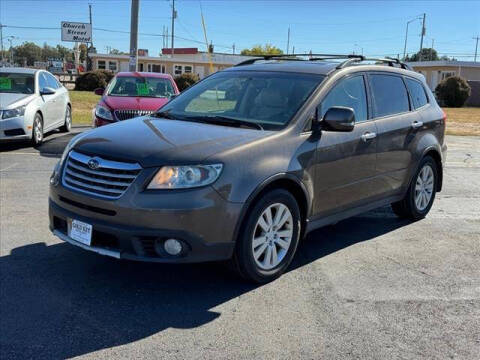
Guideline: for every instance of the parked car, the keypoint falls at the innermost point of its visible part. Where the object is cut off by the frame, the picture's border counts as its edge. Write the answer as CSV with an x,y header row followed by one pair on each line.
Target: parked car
x,y
245,172
132,94
32,103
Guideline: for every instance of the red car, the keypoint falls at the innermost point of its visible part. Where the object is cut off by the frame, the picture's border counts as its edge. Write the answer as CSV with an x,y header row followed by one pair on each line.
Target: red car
x,y
132,94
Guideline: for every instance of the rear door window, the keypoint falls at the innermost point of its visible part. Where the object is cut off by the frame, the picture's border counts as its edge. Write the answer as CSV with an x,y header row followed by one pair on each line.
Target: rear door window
x,y
389,94
351,93
417,93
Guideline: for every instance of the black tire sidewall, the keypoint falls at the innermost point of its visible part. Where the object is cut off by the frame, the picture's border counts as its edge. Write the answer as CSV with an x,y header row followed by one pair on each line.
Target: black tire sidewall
x,y
37,121
68,125
244,253
419,214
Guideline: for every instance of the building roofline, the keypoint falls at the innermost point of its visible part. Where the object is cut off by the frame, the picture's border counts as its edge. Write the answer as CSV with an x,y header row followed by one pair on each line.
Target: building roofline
x,y
443,63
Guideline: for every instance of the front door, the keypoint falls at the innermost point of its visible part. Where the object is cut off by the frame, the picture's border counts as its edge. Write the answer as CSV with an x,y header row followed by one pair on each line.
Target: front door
x,y
346,161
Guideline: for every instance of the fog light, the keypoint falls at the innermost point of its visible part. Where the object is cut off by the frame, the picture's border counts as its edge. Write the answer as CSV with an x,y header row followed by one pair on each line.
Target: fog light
x,y
172,247
54,178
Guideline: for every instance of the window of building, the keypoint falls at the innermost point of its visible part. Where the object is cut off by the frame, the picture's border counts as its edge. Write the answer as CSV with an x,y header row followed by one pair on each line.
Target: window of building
x,y
417,93
112,65
188,69
101,64
390,95
447,74
349,92
178,69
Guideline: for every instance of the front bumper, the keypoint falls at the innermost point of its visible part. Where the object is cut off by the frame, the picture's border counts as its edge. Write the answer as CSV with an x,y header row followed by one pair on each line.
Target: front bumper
x,y
15,128
132,226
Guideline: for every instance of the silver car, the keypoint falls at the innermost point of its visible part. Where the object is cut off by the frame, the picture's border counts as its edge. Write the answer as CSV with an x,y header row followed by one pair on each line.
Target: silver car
x,y
32,103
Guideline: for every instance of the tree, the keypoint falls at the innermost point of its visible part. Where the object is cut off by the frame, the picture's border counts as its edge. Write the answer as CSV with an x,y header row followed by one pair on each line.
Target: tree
x,y
28,51
65,53
427,54
117,52
83,52
262,50
453,91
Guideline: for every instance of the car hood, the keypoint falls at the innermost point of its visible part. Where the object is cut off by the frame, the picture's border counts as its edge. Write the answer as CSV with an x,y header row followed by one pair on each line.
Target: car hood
x,y
134,103
155,142
8,100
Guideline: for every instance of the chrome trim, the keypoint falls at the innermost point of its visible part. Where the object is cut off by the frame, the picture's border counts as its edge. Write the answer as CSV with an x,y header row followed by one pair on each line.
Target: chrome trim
x,y
101,251
106,180
126,114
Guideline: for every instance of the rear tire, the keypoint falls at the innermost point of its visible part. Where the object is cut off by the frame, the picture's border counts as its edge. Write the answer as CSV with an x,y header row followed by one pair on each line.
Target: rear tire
x,y
269,238
37,130
421,192
67,126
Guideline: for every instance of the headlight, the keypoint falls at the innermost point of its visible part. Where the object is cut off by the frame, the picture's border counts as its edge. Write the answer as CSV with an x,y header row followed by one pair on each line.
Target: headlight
x,y
19,111
182,177
103,112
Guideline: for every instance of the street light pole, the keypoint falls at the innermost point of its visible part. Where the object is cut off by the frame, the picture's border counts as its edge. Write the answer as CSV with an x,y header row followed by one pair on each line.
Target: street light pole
x,y
421,39
406,36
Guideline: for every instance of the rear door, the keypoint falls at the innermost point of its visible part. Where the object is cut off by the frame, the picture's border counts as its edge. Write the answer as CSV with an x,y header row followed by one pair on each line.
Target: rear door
x,y
346,161
396,123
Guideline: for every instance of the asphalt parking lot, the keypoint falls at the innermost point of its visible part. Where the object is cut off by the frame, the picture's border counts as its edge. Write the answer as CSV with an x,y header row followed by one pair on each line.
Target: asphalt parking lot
x,y
369,287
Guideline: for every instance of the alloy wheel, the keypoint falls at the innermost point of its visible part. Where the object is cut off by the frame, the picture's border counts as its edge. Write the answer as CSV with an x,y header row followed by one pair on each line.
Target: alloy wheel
x,y
272,236
424,187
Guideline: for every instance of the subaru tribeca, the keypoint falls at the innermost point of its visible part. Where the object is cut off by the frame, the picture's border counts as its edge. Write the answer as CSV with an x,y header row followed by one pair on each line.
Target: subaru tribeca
x,y
246,162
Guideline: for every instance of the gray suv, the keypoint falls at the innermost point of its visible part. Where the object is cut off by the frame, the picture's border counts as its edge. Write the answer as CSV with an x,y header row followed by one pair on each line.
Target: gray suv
x,y
243,164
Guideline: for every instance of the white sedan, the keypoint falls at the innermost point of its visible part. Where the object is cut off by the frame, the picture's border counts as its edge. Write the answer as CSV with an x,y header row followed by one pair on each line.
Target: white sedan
x,y
32,103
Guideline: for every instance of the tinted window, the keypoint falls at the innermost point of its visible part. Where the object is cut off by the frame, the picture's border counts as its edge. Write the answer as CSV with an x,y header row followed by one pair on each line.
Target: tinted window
x,y
42,81
390,95
417,92
350,93
51,81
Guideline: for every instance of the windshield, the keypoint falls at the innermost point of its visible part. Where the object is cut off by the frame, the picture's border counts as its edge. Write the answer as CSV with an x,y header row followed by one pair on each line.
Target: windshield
x,y
140,86
16,83
269,99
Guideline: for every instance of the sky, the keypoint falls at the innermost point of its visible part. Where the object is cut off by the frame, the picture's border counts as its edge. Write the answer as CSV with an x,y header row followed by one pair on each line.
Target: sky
x,y
375,27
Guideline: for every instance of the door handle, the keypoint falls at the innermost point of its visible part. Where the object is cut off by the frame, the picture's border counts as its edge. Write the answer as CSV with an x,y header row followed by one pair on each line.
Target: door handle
x,y
417,124
368,136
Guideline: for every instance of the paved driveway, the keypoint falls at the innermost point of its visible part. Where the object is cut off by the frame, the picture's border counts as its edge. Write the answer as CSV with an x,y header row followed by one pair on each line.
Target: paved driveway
x,y
369,287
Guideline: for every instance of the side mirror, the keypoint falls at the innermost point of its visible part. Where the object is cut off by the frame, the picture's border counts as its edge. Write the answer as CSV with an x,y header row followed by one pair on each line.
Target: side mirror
x,y
47,91
99,91
339,118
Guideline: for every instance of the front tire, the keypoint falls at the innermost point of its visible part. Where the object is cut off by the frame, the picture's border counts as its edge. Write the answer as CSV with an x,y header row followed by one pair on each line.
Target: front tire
x,y
37,130
67,126
269,237
421,193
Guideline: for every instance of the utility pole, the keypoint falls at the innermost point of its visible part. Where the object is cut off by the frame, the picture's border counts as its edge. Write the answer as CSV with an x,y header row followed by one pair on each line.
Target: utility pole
x,y
89,61
421,39
1,40
288,40
132,66
233,49
476,47
174,15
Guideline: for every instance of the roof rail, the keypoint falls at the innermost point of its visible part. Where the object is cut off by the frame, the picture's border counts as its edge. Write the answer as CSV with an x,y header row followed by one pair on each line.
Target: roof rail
x,y
388,60
296,57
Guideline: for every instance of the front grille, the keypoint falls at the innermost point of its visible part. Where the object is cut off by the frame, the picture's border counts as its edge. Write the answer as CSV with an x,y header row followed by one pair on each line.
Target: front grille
x,y
129,114
97,176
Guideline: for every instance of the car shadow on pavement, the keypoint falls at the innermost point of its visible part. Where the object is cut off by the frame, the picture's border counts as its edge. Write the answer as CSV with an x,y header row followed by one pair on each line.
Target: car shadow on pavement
x,y
53,145
59,301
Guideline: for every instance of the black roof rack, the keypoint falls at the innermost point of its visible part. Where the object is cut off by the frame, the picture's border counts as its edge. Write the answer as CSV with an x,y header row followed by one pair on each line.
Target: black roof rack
x,y
297,57
349,59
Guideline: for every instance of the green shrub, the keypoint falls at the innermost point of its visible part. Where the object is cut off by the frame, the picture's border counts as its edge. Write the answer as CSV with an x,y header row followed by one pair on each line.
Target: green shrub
x,y
184,81
453,91
91,80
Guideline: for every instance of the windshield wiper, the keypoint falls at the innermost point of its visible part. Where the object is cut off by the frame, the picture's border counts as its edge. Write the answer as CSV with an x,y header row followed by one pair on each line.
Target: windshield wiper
x,y
225,120
164,114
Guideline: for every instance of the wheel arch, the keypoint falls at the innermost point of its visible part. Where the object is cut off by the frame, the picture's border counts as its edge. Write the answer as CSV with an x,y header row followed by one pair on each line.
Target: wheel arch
x,y
284,181
435,154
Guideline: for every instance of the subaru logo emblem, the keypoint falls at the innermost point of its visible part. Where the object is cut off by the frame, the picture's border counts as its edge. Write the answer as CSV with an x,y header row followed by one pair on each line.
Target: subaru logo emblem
x,y
93,164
